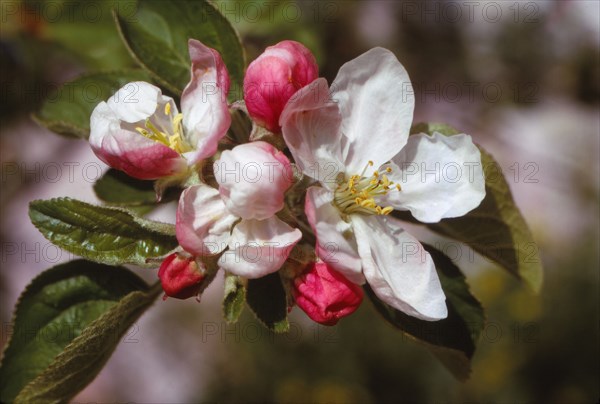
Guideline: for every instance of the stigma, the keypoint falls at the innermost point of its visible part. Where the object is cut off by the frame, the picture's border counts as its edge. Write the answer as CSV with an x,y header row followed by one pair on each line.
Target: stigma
x,y
169,133
358,194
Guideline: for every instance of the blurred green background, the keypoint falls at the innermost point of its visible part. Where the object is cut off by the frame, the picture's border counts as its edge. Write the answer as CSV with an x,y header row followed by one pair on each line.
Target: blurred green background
x,y
521,77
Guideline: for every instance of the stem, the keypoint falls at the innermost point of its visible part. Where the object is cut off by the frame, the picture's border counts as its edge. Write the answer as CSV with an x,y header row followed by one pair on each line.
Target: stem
x,y
240,127
155,289
287,216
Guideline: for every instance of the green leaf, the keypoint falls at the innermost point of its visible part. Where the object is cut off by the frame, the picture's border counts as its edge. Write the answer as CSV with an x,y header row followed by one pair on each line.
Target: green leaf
x,y
86,355
54,310
108,235
430,127
157,37
453,339
67,111
76,29
496,229
267,300
116,187
235,295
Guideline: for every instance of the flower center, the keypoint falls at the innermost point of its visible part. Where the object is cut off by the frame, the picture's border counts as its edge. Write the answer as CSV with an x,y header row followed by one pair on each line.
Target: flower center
x,y
358,193
171,137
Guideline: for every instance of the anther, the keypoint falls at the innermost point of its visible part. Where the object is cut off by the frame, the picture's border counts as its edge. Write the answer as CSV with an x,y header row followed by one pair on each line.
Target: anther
x,y
386,181
142,131
387,210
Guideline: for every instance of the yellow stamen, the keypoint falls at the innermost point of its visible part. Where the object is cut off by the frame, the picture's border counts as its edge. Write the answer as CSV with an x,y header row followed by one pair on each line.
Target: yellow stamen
x,y
368,203
177,120
358,194
173,139
143,132
387,210
385,180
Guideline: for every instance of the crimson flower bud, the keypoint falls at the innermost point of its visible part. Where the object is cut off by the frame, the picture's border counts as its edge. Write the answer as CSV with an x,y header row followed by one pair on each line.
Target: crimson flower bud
x,y
181,276
274,77
325,295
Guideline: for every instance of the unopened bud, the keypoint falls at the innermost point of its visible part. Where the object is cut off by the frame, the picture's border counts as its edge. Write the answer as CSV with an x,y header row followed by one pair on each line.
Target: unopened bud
x,y
274,77
181,276
325,295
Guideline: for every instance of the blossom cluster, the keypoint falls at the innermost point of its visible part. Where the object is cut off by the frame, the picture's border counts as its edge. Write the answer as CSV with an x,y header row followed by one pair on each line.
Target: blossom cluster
x,y
262,200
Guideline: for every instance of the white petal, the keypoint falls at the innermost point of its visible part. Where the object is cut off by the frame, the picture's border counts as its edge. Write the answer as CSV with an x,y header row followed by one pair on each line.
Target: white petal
x,y
335,240
441,176
376,102
310,125
259,247
253,178
398,269
137,101
203,224
206,115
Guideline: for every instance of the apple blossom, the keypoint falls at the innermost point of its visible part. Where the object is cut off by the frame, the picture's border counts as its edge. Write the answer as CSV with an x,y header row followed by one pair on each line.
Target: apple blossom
x,y
325,295
355,141
140,131
238,221
274,77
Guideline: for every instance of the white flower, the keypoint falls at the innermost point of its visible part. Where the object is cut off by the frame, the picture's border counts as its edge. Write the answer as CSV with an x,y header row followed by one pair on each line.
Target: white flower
x,y
240,216
355,141
140,131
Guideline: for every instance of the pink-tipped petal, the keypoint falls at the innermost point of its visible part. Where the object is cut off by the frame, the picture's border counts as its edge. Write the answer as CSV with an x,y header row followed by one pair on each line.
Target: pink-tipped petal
x,y
311,127
203,223
253,178
114,139
326,295
259,247
204,105
273,78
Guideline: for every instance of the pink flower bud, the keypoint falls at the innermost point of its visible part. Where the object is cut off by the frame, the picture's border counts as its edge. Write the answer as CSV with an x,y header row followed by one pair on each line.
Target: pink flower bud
x,y
253,178
326,295
274,77
181,276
